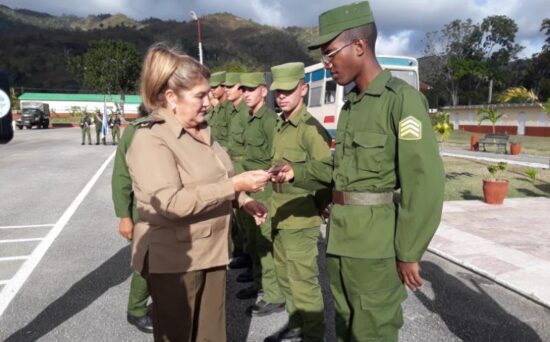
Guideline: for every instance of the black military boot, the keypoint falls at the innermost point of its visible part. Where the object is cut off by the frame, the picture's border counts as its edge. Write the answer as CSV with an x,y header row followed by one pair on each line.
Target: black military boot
x,y
262,308
247,293
143,323
246,277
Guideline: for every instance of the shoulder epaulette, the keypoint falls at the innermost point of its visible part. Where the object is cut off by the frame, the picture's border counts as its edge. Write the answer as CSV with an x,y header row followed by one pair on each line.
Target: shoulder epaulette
x,y
148,121
396,84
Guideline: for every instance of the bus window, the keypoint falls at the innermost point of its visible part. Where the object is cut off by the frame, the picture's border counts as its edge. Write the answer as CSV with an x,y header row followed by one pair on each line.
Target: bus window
x,y
408,76
330,91
315,97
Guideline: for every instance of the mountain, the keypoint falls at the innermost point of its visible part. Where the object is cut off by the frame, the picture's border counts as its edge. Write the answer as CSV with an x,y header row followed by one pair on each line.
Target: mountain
x,y
35,46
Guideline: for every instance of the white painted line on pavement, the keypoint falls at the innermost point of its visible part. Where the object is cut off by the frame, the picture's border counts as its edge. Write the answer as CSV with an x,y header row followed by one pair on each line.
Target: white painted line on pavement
x,y
10,290
3,282
22,257
20,240
28,226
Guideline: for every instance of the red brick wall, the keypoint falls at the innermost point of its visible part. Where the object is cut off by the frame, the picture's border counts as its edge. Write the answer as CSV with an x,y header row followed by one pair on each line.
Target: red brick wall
x,y
489,129
538,131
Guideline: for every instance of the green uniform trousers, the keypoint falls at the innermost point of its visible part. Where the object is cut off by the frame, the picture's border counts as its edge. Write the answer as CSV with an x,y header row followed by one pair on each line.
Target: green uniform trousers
x,y
367,296
261,240
295,255
139,293
86,132
98,135
116,134
238,235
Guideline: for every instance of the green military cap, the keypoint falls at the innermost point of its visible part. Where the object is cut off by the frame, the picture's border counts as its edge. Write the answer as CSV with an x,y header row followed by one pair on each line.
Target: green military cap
x,y
232,78
252,79
217,78
340,19
286,76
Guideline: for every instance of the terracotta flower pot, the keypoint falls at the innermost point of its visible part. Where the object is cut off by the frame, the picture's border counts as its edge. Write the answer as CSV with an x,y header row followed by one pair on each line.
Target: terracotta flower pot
x,y
494,191
515,148
474,142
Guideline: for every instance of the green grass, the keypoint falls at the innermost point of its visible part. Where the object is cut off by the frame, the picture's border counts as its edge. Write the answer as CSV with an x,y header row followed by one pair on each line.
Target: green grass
x,y
66,119
464,180
539,146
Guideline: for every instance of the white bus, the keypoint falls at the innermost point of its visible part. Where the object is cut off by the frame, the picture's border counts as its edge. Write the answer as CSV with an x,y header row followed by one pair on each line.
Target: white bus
x,y
325,97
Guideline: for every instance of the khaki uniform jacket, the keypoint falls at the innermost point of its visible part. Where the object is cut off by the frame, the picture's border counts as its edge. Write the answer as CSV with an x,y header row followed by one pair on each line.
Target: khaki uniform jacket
x,y
184,198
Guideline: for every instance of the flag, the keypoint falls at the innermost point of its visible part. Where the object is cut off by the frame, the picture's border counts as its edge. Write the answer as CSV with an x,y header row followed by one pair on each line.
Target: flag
x,y
105,122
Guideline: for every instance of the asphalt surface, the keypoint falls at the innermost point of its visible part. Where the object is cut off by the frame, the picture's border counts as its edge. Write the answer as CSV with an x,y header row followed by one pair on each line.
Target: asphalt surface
x,y
78,289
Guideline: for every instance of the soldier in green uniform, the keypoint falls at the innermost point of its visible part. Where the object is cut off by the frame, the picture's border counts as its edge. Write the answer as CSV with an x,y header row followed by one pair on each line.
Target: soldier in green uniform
x,y
295,215
98,122
114,124
384,142
258,139
125,209
237,116
85,123
218,115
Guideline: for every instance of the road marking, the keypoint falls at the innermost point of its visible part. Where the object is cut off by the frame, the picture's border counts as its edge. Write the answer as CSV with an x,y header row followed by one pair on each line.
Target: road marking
x,y
10,290
3,282
22,257
28,226
20,240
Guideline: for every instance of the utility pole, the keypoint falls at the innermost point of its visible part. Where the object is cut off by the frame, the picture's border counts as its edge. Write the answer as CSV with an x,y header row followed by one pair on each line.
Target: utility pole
x,y
198,19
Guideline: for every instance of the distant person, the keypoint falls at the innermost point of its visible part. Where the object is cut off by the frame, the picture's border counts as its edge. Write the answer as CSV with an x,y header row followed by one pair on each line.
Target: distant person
x,y
85,123
114,125
185,189
126,210
98,123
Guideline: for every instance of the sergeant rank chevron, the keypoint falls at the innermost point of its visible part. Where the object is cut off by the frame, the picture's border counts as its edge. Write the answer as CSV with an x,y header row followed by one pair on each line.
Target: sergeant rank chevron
x,y
410,128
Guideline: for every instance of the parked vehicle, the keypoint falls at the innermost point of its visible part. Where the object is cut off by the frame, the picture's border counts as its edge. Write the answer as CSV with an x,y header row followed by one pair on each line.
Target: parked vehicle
x,y
34,114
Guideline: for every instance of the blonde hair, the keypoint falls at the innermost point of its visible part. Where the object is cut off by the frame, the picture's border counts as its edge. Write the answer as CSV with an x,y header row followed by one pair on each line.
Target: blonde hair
x,y
166,68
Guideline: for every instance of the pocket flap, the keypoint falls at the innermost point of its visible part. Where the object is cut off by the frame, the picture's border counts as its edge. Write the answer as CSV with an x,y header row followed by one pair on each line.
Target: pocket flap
x,y
369,139
193,232
294,156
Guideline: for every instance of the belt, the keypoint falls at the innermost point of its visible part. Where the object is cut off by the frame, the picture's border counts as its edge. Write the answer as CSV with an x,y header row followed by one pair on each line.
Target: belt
x,y
362,198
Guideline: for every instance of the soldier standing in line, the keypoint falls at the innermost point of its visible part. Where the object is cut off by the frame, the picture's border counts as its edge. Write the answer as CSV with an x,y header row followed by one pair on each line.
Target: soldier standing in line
x,y
258,142
295,213
218,116
384,142
125,209
114,124
85,123
98,123
237,116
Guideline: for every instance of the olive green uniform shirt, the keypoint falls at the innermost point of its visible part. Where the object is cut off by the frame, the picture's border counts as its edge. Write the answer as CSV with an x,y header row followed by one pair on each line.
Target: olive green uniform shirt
x,y
299,140
238,116
258,139
219,123
384,142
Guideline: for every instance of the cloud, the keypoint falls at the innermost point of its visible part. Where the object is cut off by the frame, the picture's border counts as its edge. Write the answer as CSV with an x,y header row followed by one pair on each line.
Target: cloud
x,y
402,23
396,44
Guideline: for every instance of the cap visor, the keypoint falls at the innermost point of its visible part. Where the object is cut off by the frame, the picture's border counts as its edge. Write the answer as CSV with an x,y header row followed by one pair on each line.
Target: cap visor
x,y
283,85
322,40
215,84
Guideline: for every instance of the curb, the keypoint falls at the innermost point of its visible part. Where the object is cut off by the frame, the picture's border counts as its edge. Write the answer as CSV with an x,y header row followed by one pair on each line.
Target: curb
x,y
515,162
513,288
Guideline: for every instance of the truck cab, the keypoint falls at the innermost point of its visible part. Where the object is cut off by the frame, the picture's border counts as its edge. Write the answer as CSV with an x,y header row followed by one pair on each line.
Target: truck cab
x,y
34,114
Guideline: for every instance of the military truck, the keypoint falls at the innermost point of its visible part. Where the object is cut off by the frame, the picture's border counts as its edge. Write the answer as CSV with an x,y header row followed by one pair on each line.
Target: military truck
x,y
34,114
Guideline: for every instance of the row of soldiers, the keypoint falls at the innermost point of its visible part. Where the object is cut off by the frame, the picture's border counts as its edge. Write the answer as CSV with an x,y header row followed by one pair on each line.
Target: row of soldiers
x,y
114,123
284,249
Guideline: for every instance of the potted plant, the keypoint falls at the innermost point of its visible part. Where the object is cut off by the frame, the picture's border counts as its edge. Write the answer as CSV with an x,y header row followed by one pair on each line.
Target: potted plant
x,y
442,126
515,147
495,188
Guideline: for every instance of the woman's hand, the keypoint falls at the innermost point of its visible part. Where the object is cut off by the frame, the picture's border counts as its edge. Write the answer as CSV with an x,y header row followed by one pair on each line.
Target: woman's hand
x,y
255,209
251,181
126,227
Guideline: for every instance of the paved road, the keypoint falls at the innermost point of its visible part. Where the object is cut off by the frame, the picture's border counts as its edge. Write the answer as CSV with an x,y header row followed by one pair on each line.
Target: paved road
x,y
65,239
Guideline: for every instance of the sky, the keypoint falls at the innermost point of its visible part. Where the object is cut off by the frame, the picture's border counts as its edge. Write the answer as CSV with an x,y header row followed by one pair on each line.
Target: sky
x,y
402,24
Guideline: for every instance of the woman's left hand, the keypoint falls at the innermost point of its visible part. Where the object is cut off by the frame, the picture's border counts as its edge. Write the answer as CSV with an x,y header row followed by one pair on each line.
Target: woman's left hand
x,y
257,210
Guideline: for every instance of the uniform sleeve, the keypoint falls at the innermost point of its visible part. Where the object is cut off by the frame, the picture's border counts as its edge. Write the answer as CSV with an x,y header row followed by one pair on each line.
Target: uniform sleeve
x,y
421,178
149,157
316,173
121,183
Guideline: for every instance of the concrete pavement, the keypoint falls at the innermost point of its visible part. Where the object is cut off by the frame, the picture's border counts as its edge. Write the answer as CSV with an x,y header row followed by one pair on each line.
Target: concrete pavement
x,y
541,162
509,243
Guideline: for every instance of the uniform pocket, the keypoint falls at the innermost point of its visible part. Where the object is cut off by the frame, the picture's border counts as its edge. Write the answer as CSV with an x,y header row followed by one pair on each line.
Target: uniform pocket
x,y
193,232
294,156
369,148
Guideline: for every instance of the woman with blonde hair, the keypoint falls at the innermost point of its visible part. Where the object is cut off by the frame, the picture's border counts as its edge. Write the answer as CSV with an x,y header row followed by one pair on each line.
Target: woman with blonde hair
x,y
185,188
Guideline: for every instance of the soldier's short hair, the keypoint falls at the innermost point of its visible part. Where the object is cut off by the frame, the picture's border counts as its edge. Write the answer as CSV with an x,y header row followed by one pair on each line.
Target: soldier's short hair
x,y
367,32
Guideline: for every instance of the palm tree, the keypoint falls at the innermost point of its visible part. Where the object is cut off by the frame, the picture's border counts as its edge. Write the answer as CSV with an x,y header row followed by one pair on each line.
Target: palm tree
x,y
442,126
518,94
489,113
